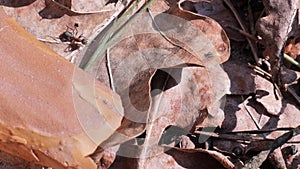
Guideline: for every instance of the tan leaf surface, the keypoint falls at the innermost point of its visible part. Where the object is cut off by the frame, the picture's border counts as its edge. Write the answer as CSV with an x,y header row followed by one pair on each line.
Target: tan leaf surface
x,y
46,20
177,97
38,119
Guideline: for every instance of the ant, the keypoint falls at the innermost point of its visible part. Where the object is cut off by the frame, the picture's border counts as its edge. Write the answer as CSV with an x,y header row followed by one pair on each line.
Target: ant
x,y
70,36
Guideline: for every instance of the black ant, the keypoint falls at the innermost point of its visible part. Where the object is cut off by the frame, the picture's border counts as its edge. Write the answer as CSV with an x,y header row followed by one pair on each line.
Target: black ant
x,y
70,36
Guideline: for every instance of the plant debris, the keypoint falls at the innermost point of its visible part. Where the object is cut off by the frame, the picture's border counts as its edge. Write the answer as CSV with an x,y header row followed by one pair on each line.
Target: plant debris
x,y
165,84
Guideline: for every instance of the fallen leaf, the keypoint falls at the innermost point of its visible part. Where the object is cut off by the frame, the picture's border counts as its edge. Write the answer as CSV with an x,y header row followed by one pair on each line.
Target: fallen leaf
x,y
274,29
266,96
237,118
217,11
176,158
151,45
39,122
38,21
241,78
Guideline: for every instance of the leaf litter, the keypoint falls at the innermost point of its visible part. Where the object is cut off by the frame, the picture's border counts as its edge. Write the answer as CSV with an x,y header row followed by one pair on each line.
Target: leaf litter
x,y
159,90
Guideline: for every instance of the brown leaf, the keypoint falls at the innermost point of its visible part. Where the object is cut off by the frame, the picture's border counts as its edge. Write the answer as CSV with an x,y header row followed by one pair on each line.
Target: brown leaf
x,y
241,78
274,29
217,11
39,90
237,118
177,158
38,21
266,96
212,30
149,44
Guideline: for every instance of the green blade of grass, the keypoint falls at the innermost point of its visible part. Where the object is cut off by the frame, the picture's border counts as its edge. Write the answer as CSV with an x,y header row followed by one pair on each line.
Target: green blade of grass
x,y
291,60
114,33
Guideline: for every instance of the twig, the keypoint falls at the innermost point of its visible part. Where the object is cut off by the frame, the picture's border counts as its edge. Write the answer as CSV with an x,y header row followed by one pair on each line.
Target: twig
x,y
251,19
246,34
293,93
261,71
111,80
250,114
261,131
253,49
243,138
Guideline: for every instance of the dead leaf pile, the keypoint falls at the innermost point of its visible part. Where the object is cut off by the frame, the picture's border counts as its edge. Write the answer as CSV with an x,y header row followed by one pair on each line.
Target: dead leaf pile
x,y
161,88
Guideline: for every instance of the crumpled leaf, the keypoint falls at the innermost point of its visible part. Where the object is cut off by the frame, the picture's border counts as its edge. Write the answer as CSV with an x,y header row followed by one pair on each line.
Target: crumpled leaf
x,y
38,119
217,11
274,29
212,29
292,49
237,118
150,44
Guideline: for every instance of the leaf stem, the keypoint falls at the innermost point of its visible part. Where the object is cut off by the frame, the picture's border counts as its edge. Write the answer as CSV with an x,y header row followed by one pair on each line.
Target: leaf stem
x,y
291,60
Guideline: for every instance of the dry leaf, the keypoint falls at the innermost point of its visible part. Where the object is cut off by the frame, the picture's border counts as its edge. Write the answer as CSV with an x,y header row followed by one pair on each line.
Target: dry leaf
x,y
217,11
39,90
38,22
149,44
241,78
238,118
274,29
266,96
176,158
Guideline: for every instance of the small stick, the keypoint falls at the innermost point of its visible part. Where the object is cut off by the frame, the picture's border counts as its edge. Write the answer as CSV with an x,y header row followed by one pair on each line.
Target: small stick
x,y
293,93
261,71
251,19
261,131
111,80
251,115
246,34
244,138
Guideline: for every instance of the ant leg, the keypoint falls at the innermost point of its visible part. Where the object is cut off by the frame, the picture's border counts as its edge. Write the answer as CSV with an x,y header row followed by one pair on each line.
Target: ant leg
x,y
69,28
83,39
74,30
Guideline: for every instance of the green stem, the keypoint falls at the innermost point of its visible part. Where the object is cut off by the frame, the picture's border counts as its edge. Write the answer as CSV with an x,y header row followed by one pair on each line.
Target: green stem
x,y
291,60
109,38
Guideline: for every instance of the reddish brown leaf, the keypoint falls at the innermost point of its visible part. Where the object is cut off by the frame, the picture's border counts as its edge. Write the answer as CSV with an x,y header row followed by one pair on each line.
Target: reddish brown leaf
x,y
38,119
